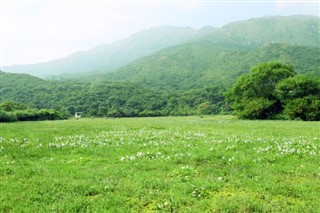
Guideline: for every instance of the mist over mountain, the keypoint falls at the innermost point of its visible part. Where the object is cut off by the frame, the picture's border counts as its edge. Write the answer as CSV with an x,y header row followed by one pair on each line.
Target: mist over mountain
x,y
116,54
252,33
296,30
221,56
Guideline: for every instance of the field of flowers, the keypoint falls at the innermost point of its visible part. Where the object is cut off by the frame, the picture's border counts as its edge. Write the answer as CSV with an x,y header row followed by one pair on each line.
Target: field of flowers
x,y
173,164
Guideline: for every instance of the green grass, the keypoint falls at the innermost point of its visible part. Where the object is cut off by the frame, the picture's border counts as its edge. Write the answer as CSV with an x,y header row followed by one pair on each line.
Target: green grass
x,y
173,164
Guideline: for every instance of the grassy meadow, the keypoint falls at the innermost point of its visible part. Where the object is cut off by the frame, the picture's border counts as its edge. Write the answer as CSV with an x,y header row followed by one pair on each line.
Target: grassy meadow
x,y
165,164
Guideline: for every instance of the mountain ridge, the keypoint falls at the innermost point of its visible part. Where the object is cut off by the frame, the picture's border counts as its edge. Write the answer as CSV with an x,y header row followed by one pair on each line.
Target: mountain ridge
x,y
177,80
109,56
296,29
196,64
252,33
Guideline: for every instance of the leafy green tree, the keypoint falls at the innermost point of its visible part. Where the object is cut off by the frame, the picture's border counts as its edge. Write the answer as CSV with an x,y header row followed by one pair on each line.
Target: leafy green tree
x,y
115,113
207,108
7,116
300,96
298,86
256,108
306,108
253,94
12,106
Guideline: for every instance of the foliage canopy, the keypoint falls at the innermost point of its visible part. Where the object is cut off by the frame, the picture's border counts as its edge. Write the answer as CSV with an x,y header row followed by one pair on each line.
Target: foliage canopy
x,y
273,90
11,111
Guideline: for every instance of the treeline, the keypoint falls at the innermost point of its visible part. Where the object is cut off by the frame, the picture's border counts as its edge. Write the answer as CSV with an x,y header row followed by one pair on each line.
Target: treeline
x,y
269,91
110,99
10,112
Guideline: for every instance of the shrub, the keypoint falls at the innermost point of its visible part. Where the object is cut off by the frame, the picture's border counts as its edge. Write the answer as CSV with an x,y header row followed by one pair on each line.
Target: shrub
x,y
306,108
31,115
50,114
27,115
7,116
12,106
258,108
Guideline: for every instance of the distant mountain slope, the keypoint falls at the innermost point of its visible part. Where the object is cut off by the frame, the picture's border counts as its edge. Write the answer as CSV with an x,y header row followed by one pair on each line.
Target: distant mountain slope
x,y
256,32
9,79
297,30
200,64
19,87
119,53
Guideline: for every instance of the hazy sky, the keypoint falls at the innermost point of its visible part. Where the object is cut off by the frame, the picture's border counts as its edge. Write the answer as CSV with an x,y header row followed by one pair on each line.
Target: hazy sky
x,y
37,31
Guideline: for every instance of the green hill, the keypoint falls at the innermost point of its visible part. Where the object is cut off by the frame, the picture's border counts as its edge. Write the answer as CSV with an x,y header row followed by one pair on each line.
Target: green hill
x,y
200,64
296,30
256,32
219,57
101,98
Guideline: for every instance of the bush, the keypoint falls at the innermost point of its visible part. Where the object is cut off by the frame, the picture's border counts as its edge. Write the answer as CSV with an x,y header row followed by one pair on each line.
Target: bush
x,y
259,108
11,106
306,108
51,114
116,113
7,116
31,115
298,86
27,115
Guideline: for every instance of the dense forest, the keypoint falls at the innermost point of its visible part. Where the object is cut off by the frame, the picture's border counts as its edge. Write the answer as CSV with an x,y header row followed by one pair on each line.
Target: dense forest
x,y
186,74
101,98
200,64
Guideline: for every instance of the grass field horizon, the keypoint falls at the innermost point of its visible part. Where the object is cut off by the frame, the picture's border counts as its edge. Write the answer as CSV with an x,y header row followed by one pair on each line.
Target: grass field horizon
x,y
163,164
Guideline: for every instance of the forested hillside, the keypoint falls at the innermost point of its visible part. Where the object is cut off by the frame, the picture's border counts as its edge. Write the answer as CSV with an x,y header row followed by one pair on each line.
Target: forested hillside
x,y
100,98
296,30
200,64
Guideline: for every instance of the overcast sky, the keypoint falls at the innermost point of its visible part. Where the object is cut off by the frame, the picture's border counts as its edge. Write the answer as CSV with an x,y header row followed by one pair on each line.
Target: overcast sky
x,y
38,31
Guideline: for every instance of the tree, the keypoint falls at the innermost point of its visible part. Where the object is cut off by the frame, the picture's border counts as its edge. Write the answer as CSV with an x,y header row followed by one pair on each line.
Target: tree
x,y
12,106
298,86
300,96
306,108
6,116
253,95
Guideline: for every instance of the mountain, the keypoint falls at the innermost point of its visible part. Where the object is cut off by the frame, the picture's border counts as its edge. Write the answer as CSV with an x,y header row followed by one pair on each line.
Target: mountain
x,y
296,30
19,80
110,56
254,33
199,64
221,56
179,79
18,87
